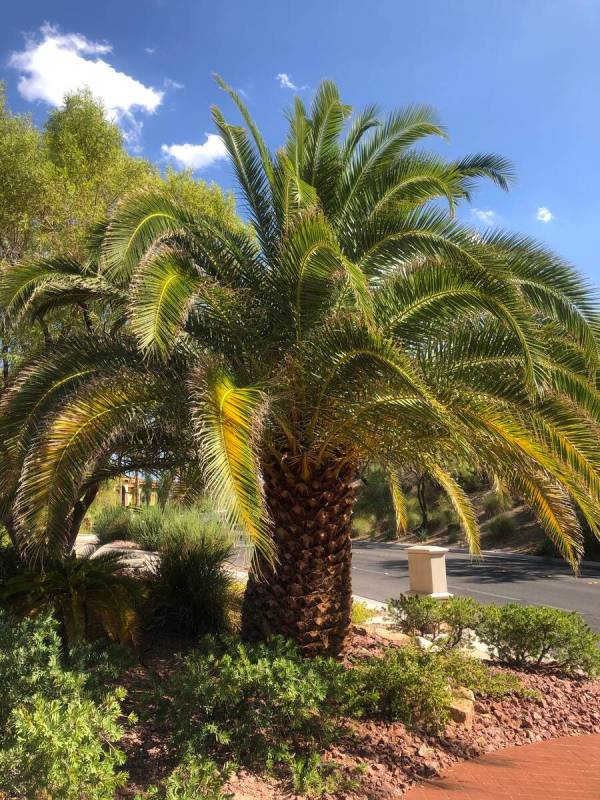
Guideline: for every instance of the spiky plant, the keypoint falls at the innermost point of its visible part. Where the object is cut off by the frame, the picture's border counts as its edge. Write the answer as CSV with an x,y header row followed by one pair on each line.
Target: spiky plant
x,y
90,595
355,321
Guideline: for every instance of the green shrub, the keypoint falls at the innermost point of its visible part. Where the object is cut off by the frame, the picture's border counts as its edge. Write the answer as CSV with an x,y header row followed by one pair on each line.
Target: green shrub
x,y
256,703
361,613
313,777
495,502
194,778
522,635
192,588
472,674
63,747
112,523
406,685
502,527
416,687
58,734
443,620
29,660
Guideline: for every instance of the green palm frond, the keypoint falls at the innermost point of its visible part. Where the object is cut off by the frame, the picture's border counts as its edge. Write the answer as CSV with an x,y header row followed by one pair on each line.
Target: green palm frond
x,y
399,504
461,504
79,431
228,422
161,295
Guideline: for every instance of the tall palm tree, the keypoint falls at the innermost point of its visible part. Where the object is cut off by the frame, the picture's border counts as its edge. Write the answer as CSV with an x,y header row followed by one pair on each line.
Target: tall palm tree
x,y
353,321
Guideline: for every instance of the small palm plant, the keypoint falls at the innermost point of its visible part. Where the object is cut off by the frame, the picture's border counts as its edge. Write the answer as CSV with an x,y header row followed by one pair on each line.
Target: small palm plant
x,y
89,595
353,321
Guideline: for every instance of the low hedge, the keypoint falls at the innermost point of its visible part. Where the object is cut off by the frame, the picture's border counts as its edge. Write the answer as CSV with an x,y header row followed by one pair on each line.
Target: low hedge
x,y
522,636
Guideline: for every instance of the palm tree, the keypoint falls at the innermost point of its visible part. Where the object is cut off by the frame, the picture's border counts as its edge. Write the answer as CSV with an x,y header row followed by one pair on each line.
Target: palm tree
x,y
353,321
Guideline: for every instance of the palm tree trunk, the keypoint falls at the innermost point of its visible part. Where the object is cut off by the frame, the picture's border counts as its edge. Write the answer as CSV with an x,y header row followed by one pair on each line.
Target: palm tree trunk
x,y
305,593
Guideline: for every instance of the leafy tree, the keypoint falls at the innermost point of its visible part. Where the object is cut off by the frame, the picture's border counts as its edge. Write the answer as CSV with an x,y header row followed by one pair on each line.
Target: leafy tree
x,y
358,322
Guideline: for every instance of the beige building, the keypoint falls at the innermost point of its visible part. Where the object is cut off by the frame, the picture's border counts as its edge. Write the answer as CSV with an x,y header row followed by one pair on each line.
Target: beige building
x,y
130,492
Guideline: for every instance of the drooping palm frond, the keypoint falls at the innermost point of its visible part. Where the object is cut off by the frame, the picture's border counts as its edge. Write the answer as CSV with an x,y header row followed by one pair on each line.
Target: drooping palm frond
x,y
399,503
228,421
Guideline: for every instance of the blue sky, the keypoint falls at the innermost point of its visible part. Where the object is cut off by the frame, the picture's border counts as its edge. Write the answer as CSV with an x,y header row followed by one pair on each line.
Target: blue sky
x,y
518,77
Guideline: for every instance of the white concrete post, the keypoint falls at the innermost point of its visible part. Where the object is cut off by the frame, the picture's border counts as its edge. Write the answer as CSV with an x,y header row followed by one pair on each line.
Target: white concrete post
x,y
427,571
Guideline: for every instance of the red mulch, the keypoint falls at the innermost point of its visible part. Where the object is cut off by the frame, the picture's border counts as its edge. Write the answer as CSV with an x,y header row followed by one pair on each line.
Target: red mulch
x,y
395,757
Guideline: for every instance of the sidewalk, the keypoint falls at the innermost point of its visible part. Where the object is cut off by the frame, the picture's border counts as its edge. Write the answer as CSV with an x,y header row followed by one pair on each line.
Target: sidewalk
x,y
557,769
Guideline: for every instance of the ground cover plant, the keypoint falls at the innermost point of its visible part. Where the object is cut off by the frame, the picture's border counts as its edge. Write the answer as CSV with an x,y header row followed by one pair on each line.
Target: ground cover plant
x,y
355,321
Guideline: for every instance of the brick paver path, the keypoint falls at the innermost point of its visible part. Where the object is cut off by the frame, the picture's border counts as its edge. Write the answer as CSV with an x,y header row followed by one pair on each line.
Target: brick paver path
x,y
558,769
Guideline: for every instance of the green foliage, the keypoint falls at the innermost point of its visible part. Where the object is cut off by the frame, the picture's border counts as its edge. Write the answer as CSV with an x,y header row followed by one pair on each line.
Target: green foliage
x,y
58,729
408,685
311,776
416,687
502,527
63,747
361,613
480,679
523,635
192,587
495,502
194,778
91,596
282,704
445,621
112,523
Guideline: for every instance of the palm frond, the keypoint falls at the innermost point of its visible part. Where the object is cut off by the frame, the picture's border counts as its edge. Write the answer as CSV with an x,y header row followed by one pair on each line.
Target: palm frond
x,y
228,422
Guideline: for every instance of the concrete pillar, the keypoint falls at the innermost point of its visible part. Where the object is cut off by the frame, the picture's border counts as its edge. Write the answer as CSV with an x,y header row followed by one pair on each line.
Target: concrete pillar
x,y
427,571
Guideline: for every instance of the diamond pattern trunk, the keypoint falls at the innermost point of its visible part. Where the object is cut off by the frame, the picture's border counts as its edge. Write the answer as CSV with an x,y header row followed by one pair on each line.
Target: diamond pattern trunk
x,y
306,593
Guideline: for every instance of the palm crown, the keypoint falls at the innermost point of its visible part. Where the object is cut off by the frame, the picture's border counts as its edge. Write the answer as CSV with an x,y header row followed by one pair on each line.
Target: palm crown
x,y
352,321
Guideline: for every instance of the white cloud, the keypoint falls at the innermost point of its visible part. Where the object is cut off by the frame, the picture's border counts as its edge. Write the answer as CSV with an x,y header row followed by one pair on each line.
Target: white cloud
x,y
488,217
170,84
150,50
544,214
60,63
285,81
197,156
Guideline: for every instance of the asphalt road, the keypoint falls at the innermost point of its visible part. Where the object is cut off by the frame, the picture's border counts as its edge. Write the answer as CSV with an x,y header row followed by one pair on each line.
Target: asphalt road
x,y
380,571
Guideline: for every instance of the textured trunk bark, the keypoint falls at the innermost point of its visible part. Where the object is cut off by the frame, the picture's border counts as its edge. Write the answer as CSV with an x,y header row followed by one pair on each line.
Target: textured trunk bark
x,y
306,593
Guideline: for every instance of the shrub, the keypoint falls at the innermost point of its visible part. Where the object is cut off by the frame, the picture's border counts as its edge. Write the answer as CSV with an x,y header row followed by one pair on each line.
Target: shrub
x,y
194,778
495,502
90,596
29,660
502,527
443,620
406,685
416,687
192,588
63,747
112,523
522,635
57,738
361,613
257,703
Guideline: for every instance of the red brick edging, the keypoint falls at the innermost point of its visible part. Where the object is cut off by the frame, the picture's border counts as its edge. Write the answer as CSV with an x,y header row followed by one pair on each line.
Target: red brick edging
x,y
557,769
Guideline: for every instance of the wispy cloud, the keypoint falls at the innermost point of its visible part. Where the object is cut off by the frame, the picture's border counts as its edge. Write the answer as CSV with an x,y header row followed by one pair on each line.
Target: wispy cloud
x,y
544,214
285,82
487,217
55,64
197,156
170,84
150,50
